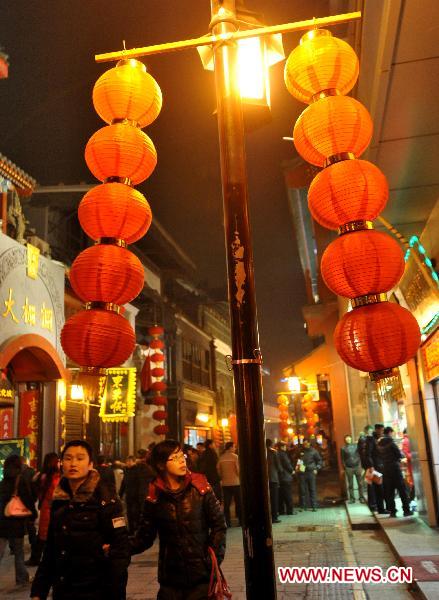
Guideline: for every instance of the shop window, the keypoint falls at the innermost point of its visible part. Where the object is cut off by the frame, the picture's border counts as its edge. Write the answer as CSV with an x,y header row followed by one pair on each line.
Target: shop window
x,y
196,364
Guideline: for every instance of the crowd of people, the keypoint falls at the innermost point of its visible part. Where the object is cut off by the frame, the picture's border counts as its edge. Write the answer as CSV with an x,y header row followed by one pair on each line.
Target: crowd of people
x,y
92,515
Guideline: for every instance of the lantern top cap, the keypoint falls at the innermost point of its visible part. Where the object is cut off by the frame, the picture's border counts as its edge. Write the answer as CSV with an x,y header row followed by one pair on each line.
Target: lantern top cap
x,y
131,62
314,33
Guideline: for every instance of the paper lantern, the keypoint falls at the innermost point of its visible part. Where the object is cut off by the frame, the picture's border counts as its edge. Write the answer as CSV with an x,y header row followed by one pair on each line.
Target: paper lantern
x,y
127,91
377,337
161,429
160,400
320,62
361,263
157,358
331,126
157,372
107,273
157,344
155,331
98,338
160,415
121,150
158,386
350,190
115,210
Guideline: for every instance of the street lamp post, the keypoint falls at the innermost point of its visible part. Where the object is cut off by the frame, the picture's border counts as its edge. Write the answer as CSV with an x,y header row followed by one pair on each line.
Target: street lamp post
x,y
256,516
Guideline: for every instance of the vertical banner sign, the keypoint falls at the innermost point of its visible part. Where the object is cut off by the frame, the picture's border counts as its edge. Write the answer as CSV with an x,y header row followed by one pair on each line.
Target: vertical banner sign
x,y
29,425
118,395
6,423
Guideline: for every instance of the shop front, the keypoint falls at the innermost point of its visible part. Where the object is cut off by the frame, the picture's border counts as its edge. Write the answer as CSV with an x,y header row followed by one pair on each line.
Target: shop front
x,y
31,357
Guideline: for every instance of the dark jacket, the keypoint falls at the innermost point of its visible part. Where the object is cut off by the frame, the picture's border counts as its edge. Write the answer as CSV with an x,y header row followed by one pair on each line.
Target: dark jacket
x,y
207,465
274,468
286,468
349,456
135,483
311,459
389,453
366,447
377,461
187,522
15,527
107,477
74,562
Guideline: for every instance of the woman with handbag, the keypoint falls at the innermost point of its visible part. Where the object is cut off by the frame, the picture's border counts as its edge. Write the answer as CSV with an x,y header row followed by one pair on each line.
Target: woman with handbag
x,y
16,507
182,509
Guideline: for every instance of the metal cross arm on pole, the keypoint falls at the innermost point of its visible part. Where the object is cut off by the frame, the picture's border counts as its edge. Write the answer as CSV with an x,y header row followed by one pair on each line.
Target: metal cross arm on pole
x,y
209,40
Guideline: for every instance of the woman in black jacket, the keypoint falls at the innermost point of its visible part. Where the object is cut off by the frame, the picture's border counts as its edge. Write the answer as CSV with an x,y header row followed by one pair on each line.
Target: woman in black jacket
x,y
182,509
13,529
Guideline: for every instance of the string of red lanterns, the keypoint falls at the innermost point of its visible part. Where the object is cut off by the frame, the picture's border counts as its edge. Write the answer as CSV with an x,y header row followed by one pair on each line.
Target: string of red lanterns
x,y
114,214
158,386
347,195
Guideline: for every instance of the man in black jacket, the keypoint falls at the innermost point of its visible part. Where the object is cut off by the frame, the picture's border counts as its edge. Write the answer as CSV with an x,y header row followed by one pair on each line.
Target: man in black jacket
x,y
87,552
350,460
285,480
308,465
393,480
134,487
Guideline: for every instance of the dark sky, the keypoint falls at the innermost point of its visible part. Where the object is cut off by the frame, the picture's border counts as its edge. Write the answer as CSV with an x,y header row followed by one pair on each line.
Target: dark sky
x,y
46,118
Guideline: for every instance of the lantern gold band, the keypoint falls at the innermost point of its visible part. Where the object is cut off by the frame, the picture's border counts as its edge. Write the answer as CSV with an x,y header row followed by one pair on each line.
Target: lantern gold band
x,y
116,179
313,33
124,122
103,306
111,242
335,158
355,226
369,299
325,93
98,371
378,375
132,62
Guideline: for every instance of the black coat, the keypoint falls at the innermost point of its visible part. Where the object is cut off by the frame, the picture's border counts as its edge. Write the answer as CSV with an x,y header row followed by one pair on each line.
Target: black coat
x,y
273,464
187,523
389,453
286,468
135,483
74,562
350,456
311,459
207,465
15,527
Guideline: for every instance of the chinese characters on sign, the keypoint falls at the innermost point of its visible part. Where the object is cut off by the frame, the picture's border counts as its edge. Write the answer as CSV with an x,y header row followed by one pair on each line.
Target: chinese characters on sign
x,y
118,395
28,426
430,355
6,422
29,312
33,256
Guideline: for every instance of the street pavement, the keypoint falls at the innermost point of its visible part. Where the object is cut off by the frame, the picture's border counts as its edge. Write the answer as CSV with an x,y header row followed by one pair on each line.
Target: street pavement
x,y
323,538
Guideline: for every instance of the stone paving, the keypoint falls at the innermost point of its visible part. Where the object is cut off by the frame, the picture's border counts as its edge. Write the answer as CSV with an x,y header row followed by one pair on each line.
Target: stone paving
x,y
322,538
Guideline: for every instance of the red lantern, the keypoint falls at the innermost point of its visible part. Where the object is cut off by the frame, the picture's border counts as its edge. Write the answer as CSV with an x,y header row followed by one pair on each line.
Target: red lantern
x,y
158,386
157,344
127,91
155,331
159,415
98,338
157,358
331,126
161,429
121,151
107,273
377,337
115,210
350,190
361,263
157,372
160,400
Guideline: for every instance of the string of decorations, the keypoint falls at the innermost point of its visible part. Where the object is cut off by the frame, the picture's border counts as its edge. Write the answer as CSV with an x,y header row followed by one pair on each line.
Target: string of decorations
x,y
158,385
347,195
113,214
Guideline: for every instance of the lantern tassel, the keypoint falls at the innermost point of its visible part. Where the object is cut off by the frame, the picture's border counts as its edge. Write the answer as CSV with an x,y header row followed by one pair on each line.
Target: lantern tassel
x,y
389,383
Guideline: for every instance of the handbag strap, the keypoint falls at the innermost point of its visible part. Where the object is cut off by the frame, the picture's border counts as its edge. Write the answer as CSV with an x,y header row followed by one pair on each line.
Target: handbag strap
x,y
17,481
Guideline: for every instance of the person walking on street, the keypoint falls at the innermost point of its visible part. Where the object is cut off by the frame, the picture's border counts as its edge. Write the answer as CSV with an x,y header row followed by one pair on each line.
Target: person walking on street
x,y
207,465
14,528
391,457
228,469
87,551
351,462
134,487
285,480
308,465
183,511
274,472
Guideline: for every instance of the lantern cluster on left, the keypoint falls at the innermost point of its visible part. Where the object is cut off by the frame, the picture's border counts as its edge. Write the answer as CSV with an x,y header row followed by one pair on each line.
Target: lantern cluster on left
x,y
114,214
362,264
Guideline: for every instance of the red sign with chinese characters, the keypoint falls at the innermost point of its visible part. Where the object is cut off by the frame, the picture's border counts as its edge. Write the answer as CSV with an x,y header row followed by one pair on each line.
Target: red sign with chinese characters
x,y
29,425
6,423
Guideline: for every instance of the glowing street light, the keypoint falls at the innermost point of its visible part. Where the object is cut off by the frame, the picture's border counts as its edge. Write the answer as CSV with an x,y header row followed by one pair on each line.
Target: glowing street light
x,y
294,384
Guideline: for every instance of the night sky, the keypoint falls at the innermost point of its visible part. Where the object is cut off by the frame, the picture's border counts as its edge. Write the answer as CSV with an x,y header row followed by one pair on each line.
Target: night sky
x,y
46,118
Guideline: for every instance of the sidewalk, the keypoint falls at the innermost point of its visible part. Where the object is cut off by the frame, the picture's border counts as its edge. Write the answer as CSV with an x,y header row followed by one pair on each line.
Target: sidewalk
x,y
323,538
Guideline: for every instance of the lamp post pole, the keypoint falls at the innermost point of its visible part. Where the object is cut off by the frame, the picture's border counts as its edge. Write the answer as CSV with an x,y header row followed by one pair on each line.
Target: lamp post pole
x,y
256,515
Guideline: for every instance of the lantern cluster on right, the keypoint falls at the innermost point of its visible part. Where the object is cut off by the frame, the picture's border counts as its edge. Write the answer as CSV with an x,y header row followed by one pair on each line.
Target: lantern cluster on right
x,y
347,195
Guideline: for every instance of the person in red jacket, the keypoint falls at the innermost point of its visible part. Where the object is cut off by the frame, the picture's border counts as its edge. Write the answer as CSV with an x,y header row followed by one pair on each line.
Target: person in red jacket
x,y
408,466
182,509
